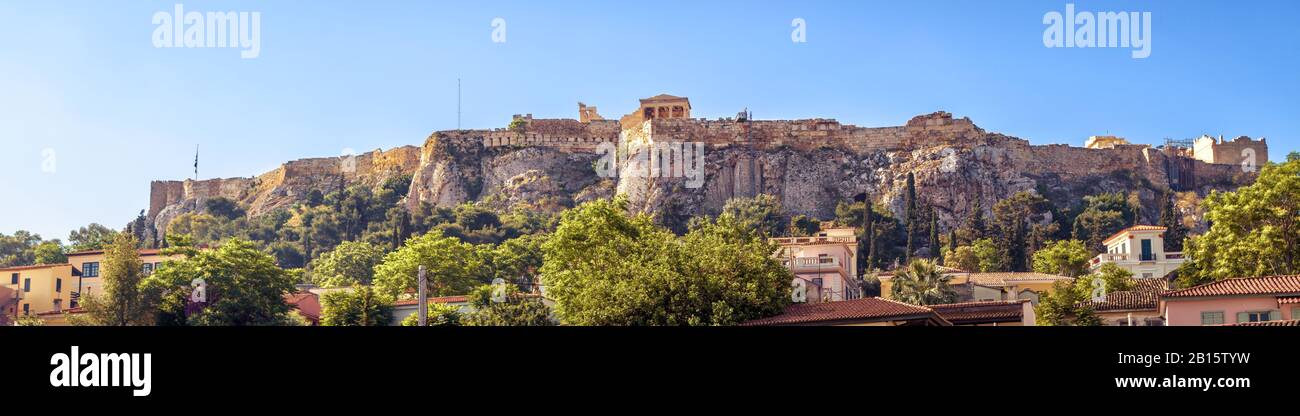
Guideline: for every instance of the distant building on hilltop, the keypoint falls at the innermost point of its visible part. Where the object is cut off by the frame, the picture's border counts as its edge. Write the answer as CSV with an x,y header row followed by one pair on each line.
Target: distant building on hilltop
x,y
1241,150
1104,142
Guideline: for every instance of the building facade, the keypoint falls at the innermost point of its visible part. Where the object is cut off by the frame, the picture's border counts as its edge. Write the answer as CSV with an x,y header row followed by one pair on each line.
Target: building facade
x,y
87,267
1140,250
825,265
1234,301
1239,151
37,289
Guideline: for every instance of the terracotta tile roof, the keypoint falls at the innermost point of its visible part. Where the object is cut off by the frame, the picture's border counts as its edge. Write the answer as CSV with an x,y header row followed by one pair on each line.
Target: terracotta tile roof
x,y
1001,279
31,267
1134,228
1128,301
857,310
1269,323
1145,296
1289,300
439,299
1269,285
144,252
970,313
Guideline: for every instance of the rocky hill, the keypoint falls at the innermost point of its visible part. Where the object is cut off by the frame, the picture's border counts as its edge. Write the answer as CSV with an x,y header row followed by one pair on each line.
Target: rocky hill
x,y
810,165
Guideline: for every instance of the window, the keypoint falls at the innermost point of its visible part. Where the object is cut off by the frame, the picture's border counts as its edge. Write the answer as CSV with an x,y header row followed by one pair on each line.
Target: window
x,y
1146,275
147,269
157,266
14,280
1211,318
27,284
1147,254
90,269
1259,316
58,305
58,285
27,309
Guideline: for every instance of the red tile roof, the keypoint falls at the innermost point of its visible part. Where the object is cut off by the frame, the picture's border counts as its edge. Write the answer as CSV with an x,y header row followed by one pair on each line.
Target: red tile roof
x,y
971,313
143,252
307,304
1269,285
31,267
1145,296
1134,228
439,299
1290,300
857,310
1269,323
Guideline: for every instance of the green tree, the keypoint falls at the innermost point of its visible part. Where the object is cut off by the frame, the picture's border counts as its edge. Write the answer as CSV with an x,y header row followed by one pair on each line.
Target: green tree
x,y
123,302
921,283
604,267
1064,257
244,287
91,237
1067,304
990,257
803,226
1254,231
517,260
503,305
18,249
350,263
976,226
452,267
762,213
1175,231
50,252
963,258
439,315
223,208
361,306
1103,215
1116,279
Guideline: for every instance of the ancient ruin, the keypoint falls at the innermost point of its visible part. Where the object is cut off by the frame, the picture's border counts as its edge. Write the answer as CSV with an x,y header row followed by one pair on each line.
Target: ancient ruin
x,y
811,165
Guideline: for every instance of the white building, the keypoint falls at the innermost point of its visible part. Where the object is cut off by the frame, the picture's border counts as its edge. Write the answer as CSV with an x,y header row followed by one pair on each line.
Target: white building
x,y
1139,249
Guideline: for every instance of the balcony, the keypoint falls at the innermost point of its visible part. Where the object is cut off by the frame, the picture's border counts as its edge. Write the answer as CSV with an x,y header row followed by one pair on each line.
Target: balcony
x,y
786,241
814,264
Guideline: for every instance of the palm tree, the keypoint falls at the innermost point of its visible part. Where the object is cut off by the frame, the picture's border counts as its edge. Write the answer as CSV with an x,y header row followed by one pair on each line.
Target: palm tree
x,y
921,283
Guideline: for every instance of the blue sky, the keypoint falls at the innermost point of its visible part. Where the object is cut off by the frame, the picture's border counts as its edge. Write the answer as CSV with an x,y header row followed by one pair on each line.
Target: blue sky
x,y
84,80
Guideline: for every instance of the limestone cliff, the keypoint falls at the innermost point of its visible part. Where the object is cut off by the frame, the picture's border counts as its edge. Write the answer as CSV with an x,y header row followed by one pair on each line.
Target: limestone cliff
x,y
810,165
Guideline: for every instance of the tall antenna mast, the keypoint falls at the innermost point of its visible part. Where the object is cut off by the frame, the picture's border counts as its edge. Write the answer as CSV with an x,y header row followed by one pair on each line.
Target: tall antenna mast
x,y
457,103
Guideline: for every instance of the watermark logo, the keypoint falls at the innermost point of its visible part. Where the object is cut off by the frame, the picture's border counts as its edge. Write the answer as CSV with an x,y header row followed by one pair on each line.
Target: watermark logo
x,y
348,161
181,29
199,290
1248,160
49,161
800,32
102,370
1099,30
1098,289
498,30
499,290
657,160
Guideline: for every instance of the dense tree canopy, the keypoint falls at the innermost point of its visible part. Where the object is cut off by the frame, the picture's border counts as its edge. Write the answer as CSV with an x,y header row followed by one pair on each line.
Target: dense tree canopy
x,y
604,267
1254,231
1064,257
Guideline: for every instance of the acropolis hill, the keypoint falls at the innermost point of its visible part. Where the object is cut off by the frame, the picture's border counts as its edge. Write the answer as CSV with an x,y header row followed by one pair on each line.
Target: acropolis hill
x,y
810,165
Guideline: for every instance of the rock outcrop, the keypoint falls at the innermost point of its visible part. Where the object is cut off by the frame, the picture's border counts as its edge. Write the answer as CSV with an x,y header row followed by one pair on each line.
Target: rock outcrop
x,y
810,165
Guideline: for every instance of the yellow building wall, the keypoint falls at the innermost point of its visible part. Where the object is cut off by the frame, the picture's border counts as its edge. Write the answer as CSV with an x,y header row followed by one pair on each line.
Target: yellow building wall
x,y
94,285
42,289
